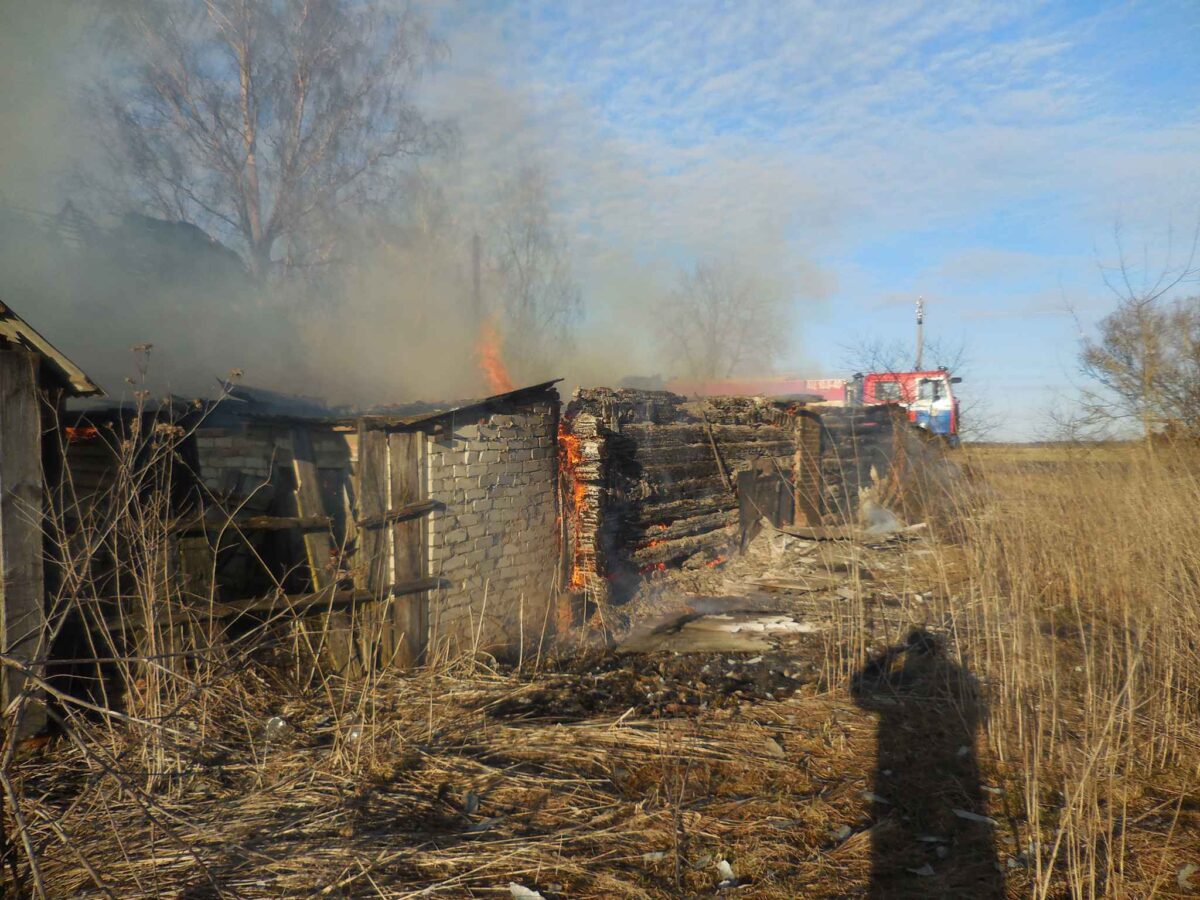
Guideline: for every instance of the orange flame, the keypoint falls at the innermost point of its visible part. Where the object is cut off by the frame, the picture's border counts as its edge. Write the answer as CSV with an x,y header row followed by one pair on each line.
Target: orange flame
x,y
570,454
77,433
490,360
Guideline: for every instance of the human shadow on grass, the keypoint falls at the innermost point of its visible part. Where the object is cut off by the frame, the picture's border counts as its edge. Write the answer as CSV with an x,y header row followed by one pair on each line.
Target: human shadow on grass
x,y
924,841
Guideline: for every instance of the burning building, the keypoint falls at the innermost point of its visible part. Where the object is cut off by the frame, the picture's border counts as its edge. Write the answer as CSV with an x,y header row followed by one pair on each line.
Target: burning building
x,y
392,535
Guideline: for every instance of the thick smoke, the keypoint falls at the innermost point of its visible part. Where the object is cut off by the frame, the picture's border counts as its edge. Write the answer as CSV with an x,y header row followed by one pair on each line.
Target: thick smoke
x,y
396,320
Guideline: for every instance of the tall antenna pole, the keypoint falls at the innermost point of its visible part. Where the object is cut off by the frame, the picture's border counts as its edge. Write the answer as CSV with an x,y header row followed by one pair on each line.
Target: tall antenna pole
x,y
920,331
476,286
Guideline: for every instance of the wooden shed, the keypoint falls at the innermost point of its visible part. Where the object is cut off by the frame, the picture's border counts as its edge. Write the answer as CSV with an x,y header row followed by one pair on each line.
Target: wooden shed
x,y
35,379
380,535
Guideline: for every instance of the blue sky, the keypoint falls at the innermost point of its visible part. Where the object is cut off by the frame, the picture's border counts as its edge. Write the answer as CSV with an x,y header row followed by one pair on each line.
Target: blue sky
x,y
977,153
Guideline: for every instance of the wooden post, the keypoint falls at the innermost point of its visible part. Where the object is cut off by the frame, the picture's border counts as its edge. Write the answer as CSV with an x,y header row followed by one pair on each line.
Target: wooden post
x,y
22,586
807,474
406,459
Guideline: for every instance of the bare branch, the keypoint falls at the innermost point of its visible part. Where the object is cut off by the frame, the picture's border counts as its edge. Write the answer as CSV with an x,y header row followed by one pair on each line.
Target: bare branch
x,y
722,320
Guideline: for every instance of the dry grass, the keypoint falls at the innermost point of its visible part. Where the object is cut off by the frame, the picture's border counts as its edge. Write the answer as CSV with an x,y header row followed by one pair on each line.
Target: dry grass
x,y
1082,571
439,796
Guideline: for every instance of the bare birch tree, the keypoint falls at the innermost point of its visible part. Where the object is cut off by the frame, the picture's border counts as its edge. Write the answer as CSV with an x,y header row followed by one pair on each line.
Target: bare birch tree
x,y
260,121
721,320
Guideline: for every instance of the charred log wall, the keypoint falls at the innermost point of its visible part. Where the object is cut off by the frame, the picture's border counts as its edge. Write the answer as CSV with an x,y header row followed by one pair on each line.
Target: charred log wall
x,y
650,479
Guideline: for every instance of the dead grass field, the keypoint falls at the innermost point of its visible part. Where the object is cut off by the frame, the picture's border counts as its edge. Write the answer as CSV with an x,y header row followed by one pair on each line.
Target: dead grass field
x,y
1068,588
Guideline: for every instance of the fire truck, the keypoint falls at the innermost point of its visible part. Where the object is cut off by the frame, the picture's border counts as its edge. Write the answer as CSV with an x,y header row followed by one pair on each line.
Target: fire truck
x,y
926,394
928,397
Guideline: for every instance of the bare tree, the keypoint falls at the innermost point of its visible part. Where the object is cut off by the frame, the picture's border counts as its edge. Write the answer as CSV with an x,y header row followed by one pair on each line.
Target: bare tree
x,y
259,121
534,293
722,320
1143,365
895,355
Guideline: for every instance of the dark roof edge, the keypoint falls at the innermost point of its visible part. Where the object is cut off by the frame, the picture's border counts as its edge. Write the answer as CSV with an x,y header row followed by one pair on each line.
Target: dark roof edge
x,y
413,422
16,329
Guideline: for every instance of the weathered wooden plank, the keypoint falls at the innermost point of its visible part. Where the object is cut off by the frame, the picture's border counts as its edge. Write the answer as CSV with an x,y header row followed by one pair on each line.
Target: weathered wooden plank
x,y
712,442
720,541
650,436
807,472
687,528
216,523
416,585
399,515
318,546
372,564
22,588
410,613
674,454
335,630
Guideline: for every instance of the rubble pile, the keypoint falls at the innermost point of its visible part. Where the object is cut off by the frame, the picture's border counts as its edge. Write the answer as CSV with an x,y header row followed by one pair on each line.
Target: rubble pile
x,y
657,685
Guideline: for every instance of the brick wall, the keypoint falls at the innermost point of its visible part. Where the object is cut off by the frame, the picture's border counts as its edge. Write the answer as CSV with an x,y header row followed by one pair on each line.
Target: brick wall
x,y
496,540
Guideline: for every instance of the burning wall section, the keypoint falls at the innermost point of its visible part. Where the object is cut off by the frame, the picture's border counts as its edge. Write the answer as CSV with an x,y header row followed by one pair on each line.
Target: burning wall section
x,y
649,480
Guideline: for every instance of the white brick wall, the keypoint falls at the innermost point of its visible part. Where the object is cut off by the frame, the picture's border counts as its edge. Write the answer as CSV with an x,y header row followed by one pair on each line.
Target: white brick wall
x,y
498,533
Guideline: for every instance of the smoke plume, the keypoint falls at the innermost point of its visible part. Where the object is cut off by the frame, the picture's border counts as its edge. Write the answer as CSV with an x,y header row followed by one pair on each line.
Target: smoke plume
x,y
395,318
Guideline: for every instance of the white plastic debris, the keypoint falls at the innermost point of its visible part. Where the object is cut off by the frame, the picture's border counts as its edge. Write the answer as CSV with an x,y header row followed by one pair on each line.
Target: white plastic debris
x,y
872,797
654,856
974,817
925,871
728,878
275,728
523,893
764,625
1184,876
841,834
